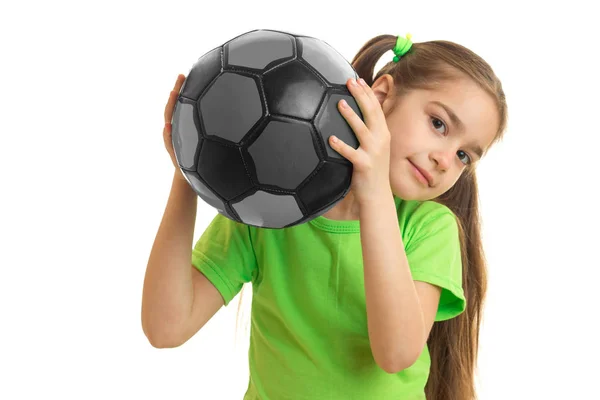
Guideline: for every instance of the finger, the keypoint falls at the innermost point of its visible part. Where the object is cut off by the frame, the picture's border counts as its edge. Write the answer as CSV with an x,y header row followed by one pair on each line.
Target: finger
x,y
347,151
368,91
179,82
366,100
168,128
358,92
356,123
173,98
167,137
169,106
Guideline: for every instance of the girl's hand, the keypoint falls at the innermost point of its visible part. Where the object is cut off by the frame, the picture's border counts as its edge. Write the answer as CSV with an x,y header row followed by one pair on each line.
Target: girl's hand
x,y
169,108
371,160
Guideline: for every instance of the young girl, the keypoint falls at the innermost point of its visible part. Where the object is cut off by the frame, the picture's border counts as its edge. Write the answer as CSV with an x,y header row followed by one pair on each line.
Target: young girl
x,y
381,297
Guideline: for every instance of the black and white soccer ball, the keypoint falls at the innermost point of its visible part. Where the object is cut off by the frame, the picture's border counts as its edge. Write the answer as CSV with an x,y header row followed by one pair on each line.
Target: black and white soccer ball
x,y
251,127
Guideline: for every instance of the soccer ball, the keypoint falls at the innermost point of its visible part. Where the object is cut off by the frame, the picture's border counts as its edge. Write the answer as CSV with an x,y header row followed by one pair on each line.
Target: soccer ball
x,y
251,128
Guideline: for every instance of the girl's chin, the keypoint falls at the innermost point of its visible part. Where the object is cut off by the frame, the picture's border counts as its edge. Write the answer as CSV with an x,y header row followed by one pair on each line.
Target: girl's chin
x,y
409,189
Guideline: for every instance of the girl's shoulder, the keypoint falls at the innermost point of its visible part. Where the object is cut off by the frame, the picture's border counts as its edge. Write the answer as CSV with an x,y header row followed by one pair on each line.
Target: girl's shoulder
x,y
420,211
422,218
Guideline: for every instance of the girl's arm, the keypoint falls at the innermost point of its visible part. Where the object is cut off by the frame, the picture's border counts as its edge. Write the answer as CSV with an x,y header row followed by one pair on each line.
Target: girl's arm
x,y
400,311
177,299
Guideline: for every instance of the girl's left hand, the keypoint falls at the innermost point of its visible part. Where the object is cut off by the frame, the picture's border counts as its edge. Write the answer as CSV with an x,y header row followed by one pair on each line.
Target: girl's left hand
x,y
371,160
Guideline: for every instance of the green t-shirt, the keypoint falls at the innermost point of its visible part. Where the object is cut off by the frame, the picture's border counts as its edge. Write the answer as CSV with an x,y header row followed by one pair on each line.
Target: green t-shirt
x,y
308,336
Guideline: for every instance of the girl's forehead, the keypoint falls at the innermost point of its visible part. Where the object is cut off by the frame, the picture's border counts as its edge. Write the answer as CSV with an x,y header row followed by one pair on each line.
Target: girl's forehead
x,y
462,96
460,88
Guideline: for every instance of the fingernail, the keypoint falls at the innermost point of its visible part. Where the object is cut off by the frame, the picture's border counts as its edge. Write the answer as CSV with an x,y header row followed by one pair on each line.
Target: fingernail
x,y
334,139
353,82
343,103
362,82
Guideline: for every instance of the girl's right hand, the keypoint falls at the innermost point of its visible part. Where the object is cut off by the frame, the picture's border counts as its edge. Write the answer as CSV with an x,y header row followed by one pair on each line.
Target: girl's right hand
x,y
169,108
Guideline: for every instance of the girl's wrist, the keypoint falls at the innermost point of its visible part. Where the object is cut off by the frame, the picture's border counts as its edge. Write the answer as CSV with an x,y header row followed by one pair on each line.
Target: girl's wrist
x,y
376,198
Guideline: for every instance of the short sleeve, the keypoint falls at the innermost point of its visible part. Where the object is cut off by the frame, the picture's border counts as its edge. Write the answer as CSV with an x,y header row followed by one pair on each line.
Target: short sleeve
x,y
225,255
434,256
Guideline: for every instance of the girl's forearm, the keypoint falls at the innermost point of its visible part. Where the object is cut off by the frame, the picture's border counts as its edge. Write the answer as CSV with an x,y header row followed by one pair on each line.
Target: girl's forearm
x,y
395,319
168,287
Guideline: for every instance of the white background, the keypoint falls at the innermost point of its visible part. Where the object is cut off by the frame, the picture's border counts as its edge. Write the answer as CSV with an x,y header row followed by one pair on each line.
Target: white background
x,y
85,179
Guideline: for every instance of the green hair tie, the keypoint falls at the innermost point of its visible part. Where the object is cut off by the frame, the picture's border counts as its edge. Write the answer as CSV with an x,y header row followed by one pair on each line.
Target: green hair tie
x,y
402,46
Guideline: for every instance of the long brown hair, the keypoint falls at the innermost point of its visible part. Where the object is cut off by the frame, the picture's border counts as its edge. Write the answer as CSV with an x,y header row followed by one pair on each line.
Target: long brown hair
x,y
453,344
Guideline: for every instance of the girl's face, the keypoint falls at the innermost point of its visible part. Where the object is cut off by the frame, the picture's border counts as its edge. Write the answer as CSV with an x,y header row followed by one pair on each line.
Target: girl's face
x,y
425,136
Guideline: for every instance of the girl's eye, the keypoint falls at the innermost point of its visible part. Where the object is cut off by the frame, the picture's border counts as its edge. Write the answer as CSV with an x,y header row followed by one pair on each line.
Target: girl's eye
x,y
437,125
434,119
465,155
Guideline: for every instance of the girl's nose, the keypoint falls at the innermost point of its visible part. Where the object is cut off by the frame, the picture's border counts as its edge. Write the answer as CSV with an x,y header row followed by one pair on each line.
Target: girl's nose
x,y
442,159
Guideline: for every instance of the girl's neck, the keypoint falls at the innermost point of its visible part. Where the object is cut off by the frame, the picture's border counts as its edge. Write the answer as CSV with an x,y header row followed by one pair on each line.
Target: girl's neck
x,y
345,209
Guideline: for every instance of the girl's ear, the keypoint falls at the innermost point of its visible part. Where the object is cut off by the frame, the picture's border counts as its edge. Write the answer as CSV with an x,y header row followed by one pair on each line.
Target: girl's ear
x,y
385,92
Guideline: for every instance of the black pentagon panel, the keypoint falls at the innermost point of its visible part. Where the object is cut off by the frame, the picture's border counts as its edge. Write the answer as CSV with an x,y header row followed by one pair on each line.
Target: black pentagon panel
x,y
257,49
334,176
204,192
201,74
223,169
293,90
185,134
284,154
326,60
268,210
309,217
331,122
231,106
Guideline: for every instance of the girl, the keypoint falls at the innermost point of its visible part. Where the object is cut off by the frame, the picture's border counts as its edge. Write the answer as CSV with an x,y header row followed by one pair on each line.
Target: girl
x,y
381,297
